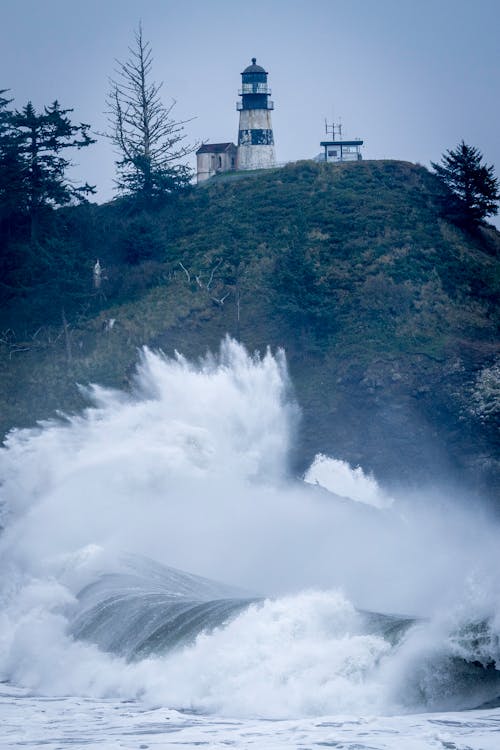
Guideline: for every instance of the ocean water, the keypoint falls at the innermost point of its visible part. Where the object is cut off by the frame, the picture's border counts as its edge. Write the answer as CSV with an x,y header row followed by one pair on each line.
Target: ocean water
x,y
165,581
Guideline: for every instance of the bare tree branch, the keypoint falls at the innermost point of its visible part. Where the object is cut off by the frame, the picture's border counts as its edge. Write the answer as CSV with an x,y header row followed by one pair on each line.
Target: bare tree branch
x,y
150,142
209,284
185,271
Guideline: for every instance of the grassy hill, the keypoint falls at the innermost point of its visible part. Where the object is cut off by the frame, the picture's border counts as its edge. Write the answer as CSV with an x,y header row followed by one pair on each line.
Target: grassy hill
x,y
387,312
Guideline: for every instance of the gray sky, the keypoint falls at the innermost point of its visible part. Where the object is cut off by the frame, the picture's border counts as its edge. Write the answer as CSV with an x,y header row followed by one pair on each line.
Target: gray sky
x,y
410,77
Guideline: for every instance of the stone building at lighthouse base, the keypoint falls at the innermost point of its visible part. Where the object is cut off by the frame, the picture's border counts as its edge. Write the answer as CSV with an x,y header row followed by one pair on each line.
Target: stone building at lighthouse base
x,y
213,158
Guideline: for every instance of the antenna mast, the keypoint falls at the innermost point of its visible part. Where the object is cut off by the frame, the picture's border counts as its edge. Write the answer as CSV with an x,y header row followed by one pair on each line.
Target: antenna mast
x,y
335,130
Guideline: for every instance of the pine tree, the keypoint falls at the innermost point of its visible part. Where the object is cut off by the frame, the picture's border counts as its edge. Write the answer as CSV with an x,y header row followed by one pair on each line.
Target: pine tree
x,y
11,167
12,196
473,187
43,137
149,140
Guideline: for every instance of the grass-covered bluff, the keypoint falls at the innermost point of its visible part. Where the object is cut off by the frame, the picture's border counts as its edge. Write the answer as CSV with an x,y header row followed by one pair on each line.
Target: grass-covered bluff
x,y
387,312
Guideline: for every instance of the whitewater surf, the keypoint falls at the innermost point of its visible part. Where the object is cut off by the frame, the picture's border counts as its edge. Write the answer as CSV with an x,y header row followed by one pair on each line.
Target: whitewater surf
x,y
159,563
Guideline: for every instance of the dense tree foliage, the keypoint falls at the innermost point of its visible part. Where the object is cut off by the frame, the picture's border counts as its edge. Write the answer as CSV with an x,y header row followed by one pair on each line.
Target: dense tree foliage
x,y
35,255
41,138
472,185
33,171
150,142
12,194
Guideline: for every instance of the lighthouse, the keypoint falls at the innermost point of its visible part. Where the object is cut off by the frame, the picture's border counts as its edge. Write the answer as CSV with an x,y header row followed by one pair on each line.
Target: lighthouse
x,y
255,135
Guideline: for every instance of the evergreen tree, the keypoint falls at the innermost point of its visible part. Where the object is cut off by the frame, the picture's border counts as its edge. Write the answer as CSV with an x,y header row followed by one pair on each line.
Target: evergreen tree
x,y
12,197
43,137
149,140
11,167
472,186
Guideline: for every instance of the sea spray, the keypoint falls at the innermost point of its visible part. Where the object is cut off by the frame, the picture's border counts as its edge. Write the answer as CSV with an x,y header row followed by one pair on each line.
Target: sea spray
x,y
339,477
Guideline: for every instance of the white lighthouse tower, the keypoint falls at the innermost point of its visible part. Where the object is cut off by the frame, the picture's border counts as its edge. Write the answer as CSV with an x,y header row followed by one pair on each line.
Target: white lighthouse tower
x,y
255,135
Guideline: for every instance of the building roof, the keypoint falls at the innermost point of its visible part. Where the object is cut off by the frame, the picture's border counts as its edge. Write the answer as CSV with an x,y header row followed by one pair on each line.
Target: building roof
x,y
356,142
214,148
254,68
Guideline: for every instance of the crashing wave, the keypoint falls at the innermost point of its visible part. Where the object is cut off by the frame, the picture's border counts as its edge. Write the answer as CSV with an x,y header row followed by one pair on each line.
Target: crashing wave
x,y
190,469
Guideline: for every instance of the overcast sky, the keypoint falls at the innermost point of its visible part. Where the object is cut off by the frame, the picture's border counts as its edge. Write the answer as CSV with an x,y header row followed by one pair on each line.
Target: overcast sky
x,y
410,77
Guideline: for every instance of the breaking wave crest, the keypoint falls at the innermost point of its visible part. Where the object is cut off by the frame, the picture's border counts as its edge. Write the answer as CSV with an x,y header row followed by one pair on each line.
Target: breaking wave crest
x,y
190,470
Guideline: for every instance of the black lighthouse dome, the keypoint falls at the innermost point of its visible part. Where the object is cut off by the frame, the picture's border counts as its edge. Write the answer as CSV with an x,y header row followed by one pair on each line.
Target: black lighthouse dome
x,y
254,68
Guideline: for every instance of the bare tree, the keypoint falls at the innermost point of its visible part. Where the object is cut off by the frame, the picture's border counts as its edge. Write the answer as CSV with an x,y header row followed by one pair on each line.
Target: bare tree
x,y
149,140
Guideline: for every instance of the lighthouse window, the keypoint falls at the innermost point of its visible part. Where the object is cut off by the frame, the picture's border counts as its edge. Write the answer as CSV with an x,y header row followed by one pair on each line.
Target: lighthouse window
x,y
220,161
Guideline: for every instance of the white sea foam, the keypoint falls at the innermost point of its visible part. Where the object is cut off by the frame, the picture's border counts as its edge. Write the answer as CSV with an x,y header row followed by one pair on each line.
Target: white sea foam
x,y
68,721
300,655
